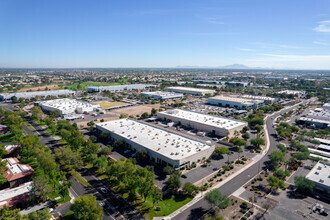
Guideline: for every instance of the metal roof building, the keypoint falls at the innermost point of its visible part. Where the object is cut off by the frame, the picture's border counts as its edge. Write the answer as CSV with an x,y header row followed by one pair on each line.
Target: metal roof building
x,y
162,95
119,88
209,123
191,91
68,106
163,147
29,95
320,175
234,102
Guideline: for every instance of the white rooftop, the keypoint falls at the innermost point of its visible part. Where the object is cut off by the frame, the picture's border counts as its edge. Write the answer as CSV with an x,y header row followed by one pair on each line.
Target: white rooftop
x,y
258,97
10,147
161,141
236,99
209,120
291,92
190,89
320,173
10,193
324,141
68,104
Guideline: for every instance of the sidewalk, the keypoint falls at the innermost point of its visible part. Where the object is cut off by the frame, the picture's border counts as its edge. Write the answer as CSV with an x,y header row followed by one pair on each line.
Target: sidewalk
x,y
201,195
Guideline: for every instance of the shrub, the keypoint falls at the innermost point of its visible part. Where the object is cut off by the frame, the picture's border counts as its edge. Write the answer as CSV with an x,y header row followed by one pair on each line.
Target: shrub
x,y
245,204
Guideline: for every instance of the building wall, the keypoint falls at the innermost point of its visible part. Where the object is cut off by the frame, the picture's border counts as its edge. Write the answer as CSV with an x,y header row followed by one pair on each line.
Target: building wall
x,y
159,158
191,92
231,104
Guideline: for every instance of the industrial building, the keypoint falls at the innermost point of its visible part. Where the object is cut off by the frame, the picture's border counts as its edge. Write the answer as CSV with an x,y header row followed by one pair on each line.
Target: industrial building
x,y
292,92
162,95
320,176
68,106
119,88
163,147
323,149
318,119
235,102
29,95
266,99
191,91
16,197
211,124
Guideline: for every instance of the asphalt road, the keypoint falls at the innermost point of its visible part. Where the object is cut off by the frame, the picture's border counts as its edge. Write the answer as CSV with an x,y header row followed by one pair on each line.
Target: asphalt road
x,y
114,206
199,209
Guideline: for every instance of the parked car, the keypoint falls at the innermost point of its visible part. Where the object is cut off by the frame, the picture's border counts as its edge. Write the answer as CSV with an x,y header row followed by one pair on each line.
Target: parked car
x,y
104,190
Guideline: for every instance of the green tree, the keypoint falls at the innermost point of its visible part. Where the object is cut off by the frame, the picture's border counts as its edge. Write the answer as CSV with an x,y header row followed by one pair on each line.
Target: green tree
x,y
29,144
39,215
303,185
257,142
156,195
40,188
10,214
167,170
142,154
217,199
276,157
258,128
275,183
174,182
190,189
86,208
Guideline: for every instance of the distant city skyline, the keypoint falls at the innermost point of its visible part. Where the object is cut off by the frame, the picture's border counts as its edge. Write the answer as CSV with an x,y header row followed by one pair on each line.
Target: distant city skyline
x,y
277,34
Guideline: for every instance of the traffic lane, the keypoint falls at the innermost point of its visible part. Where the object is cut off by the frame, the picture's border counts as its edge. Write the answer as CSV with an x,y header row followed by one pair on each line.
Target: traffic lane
x,y
198,209
112,197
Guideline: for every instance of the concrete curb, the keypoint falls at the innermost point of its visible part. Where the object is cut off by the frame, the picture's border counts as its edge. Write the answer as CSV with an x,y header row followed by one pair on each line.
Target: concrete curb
x,y
201,195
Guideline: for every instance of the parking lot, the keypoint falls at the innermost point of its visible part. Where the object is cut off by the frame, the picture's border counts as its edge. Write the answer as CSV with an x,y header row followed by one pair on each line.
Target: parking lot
x,y
296,207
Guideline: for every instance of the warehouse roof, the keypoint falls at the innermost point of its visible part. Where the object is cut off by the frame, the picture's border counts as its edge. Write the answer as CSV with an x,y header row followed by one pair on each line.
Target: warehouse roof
x,y
163,95
190,89
158,140
320,173
67,104
37,93
209,120
236,99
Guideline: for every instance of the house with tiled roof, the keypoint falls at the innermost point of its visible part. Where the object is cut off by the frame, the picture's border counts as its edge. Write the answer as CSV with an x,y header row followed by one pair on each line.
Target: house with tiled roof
x,y
17,173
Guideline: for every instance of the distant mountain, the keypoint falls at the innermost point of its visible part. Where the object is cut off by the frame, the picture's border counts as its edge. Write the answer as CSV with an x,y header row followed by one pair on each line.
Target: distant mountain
x,y
235,66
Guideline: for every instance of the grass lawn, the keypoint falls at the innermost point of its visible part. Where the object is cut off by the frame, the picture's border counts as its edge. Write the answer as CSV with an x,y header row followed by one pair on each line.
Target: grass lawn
x,y
29,126
75,174
7,137
68,216
59,201
84,85
78,177
107,104
41,123
168,205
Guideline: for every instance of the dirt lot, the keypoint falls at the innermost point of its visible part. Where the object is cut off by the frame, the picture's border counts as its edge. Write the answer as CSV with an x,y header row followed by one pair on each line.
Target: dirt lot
x,y
50,87
135,110
108,104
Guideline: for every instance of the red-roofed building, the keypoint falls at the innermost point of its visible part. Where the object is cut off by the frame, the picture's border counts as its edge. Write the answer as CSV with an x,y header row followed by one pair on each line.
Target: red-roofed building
x,y
17,173
16,197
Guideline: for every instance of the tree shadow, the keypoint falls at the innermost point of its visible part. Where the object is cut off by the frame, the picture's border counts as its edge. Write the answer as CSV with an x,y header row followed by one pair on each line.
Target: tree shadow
x,y
197,213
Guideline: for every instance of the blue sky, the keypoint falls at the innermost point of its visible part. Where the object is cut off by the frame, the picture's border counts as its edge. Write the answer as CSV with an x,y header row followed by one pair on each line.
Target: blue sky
x,y
165,33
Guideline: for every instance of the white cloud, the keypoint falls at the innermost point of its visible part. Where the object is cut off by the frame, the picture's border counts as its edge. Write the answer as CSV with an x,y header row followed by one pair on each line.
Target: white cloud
x,y
245,49
323,43
324,26
290,61
213,20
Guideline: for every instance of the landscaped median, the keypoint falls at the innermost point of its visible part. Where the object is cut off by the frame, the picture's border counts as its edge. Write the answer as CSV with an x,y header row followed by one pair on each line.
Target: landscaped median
x,y
75,174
